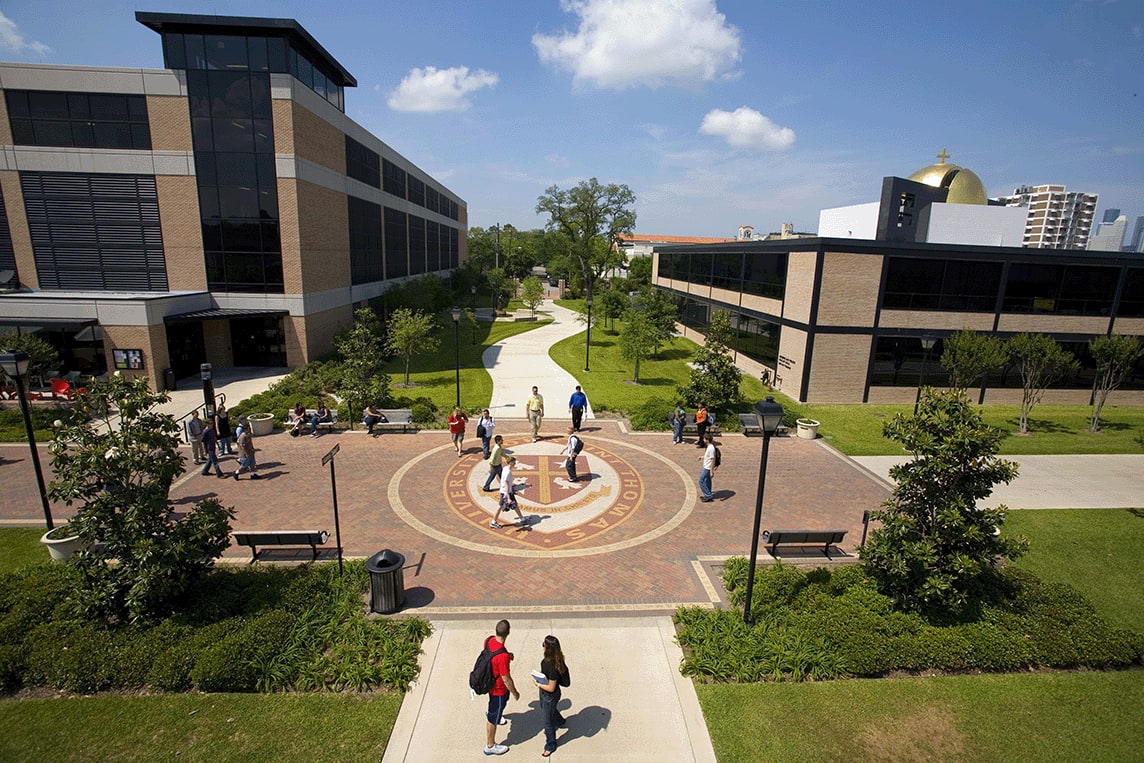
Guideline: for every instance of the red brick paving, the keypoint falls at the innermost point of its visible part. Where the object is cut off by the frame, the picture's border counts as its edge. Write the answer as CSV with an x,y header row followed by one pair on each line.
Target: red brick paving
x,y
808,486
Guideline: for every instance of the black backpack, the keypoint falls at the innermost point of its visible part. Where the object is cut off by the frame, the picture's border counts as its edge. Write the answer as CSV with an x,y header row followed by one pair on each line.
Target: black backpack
x,y
577,446
718,458
481,679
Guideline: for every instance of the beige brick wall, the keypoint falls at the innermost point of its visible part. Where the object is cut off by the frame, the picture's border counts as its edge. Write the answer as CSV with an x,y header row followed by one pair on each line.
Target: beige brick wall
x,y
310,337
5,125
1069,324
182,233
18,227
838,374
151,339
762,304
1129,326
216,344
799,286
282,112
288,230
935,320
170,121
849,293
316,140
324,239
792,356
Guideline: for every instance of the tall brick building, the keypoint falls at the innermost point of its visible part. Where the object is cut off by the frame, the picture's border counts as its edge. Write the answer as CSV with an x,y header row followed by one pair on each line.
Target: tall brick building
x,y
223,209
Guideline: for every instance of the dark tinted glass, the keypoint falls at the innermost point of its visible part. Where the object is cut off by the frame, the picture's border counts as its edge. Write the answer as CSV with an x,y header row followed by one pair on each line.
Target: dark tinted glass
x,y
48,105
256,49
1132,296
17,101
225,51
196,59
110,107
233,135
174,53
230,95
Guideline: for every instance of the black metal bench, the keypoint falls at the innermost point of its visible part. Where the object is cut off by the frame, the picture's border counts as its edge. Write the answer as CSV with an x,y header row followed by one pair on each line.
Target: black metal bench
x,y
749,424
828,538
394,419
689,427
256,538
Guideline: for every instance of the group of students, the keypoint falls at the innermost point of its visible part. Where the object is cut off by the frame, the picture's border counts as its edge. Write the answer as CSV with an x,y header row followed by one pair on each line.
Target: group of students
x,y
300,418
703,420
550,678
211,440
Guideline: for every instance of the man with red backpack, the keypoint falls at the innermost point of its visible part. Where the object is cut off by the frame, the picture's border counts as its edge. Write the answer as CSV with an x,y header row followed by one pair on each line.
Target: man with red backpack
x,y
494,660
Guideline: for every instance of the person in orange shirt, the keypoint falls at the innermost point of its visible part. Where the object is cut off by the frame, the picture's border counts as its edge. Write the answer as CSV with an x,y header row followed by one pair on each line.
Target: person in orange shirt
x,y
701,422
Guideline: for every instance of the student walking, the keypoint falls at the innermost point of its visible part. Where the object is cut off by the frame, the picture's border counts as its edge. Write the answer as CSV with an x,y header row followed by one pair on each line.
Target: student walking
x,y
495,460
498,695
576,405
195,430
246,450
708,470
575,445
210,443
485,426
507,495
555,669
678,422
457,421
535,408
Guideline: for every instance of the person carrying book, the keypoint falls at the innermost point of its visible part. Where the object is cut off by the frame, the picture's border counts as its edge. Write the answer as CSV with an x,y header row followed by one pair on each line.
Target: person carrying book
x,y
552,675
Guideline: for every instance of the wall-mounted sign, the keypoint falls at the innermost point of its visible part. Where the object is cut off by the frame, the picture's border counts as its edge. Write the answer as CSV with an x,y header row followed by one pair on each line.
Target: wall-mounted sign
x,y
128,360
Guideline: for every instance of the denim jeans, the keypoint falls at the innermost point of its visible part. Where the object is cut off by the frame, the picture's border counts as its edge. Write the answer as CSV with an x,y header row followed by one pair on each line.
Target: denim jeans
x,y
212,460
705,483
678,425
494,473
551,716
485,446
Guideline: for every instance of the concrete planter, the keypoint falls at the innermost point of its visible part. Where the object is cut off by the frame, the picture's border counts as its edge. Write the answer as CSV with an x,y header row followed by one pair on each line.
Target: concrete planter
x,y
807,428
261,424
61,545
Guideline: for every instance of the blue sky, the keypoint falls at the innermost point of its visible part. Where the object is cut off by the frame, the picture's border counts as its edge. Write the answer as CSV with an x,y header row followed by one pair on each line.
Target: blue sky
x,y
716,113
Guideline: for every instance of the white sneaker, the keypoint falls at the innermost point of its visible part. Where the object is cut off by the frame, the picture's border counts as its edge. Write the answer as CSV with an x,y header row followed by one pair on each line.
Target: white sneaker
x,y
495,525
496,749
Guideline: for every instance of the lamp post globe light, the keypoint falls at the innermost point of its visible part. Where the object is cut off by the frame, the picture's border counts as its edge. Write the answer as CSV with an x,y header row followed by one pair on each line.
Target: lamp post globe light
x,y
770,415
927,344
15,364
457,344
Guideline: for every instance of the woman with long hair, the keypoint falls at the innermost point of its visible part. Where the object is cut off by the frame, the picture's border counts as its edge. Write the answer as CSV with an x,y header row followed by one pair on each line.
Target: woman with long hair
x,y
555,670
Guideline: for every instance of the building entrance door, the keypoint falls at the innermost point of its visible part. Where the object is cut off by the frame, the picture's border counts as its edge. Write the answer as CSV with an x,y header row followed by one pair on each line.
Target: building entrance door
x,y
258,342
185,348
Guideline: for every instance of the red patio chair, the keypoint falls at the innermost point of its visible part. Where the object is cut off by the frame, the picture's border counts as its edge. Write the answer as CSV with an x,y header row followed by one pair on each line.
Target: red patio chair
x,y
62,388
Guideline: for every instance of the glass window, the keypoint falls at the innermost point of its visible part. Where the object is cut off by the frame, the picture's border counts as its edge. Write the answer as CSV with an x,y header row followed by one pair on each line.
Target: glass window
x,y
393,178
225,51
83,135
205,168
396,246
174,53
276,54
1032,287
913,283
196,58
764,274
208,202
233,134
305,72
416,245
263,136
1088,289
237,202
237,169
416,191
260,102
202,134
256,49
268,203
78,106
1132,296
17,101
52,133
212,236
141,137
230,95
241,236
48,105
109,107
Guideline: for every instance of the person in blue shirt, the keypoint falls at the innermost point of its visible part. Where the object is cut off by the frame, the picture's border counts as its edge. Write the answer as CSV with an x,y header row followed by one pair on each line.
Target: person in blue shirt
x,y
576,405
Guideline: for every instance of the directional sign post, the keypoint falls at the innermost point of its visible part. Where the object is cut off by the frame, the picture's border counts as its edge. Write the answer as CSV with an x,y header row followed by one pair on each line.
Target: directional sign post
x,y
329,459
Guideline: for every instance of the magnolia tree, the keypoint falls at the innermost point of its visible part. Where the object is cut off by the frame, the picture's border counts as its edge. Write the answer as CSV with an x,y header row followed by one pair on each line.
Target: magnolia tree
x,y
714,376
933,543
117,469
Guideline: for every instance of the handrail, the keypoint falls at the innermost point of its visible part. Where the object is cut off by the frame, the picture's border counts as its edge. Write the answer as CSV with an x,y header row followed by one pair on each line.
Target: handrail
x,y
220,399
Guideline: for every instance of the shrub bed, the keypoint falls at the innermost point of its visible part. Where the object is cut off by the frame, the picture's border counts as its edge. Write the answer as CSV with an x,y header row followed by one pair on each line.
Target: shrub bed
x,y
245,630
832,624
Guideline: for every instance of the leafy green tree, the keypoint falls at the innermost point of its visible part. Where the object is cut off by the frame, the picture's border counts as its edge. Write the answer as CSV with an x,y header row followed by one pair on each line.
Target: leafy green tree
x,y
639,272
662,311
532,293
933,546
469,318
411,332
362,359
636,339
1115,355
591,217
503,287
613,303
43,356
1040,361
968,355
482,248
119,468
714,378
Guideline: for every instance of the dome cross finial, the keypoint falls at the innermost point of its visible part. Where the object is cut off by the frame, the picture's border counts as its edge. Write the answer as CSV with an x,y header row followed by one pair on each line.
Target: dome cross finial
x,y
943,156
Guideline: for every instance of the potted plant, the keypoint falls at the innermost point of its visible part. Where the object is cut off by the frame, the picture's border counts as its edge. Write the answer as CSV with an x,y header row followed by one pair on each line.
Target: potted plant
x,y
261,424
62,542
807,428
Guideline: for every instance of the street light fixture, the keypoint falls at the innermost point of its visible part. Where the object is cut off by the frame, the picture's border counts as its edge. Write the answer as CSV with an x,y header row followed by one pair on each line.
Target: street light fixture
x,y
927,344
770,416
15,364
457,343
588,345
473,290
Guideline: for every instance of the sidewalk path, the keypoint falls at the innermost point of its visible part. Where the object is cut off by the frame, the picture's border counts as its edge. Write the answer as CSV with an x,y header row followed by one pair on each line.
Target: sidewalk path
x,y
519,363
1056,482
627,700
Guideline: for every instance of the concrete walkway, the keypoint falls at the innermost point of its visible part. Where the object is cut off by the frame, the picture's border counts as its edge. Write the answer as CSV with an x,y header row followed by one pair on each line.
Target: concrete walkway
x,y
1055,482
519,363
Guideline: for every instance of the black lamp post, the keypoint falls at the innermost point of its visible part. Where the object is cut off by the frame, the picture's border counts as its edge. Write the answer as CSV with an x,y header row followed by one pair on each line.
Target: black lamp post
x,y
770,415
457,343
15,364
588,345
473,290
927,344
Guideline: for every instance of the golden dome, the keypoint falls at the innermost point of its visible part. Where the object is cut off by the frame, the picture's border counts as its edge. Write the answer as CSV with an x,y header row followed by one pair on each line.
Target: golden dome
x,y
964,185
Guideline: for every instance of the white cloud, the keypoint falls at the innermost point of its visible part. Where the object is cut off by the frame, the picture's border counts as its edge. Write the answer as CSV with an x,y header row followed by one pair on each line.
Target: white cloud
x,y
11,41
432,89
747,128
628,43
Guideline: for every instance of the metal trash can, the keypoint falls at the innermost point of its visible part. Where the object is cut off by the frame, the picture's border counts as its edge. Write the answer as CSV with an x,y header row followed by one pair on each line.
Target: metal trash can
x,y
169,379
386,581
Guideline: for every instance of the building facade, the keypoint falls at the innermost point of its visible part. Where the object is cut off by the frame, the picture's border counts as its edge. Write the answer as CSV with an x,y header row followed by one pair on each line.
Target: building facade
x,y
1057,218
1109,236
222,209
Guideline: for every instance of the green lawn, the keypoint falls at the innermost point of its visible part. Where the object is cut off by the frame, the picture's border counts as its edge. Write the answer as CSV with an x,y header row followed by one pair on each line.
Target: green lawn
x,y
1038,717
434,374
21,546
199,727
1094,550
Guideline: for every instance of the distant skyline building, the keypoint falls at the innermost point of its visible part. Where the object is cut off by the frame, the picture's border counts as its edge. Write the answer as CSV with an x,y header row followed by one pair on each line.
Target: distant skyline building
x,y
1057,218
1137,244
1110,215
1109,236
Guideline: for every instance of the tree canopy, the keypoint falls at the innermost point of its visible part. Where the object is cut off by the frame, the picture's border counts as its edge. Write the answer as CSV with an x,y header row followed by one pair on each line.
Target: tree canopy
x,y
1040,361
409,333
968,355
1115,355
636,339
714,378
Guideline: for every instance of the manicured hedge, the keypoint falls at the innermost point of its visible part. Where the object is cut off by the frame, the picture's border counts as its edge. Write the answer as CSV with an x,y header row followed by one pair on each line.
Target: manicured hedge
x,y
244,630
823,624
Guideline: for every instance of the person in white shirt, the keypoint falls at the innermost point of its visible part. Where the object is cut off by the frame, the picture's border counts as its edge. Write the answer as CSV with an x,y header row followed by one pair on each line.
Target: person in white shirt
x,y
485,426
508,495
570,452
708,470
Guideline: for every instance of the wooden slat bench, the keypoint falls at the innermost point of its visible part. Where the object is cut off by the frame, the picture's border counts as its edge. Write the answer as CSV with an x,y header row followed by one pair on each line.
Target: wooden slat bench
x,y
395,419
256,538
827,538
